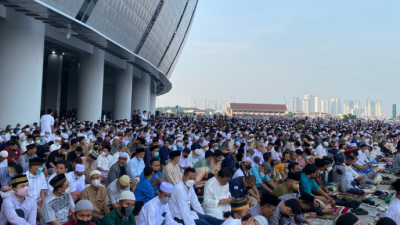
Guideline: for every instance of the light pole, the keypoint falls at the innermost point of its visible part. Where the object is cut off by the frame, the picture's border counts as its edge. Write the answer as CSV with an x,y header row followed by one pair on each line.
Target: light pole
x,y
233,99
366,105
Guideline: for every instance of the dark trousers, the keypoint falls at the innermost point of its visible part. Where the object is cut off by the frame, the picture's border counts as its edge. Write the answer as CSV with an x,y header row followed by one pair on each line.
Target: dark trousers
x,y
20,213
138,207
203,220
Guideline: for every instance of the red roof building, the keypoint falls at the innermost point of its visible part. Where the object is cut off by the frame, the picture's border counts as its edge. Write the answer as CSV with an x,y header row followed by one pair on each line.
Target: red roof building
x,y
256,109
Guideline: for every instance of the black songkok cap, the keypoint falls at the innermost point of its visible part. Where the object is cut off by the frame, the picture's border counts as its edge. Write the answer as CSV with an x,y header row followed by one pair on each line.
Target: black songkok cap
x,y
294,176
35,161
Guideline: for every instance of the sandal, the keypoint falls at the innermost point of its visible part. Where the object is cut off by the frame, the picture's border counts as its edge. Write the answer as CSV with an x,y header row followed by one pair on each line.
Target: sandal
x,y
381,208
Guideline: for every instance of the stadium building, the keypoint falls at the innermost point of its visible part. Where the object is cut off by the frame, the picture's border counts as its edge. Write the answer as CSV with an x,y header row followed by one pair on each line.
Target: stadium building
x,y
95,56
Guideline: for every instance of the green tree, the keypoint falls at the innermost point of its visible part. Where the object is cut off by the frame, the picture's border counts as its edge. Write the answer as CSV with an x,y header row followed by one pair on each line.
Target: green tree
x,y
289,115
349,116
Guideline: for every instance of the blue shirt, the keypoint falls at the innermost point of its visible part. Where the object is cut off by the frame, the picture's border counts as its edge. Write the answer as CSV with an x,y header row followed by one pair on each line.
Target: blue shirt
x,y
254,171
135,167
144,191
308,185
195,146
236,187
164,154
155,177
5,179
229,163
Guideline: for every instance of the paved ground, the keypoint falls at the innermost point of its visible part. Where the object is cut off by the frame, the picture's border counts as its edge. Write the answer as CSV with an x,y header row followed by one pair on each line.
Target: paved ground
x,y
373,210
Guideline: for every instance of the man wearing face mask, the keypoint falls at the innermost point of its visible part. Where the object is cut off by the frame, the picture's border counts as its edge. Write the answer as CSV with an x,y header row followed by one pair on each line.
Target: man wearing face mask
x,y
184,161
18,208
37,180
104,162
156,211
58,203
78,177
62,169
183,198
115,188
119,168
97,195
78,152
122,215
83,214
206,161
136,165
55,157
291,184
244,169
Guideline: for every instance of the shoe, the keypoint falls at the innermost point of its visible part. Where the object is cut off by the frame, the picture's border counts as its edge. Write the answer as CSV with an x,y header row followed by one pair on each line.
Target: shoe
x,y
381,208
359,211
372,203
369,196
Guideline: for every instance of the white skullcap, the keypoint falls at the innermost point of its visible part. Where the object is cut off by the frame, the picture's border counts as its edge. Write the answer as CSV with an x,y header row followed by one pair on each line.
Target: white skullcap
x,y
203,144
127,195
27,129
237,144
326,143
47,131
79,168
83,204
123,154
4,153
41,134
95,172
58,139
375,143
196,138
166,187
79,135
198,151
179,139
246,159
65,136
259,219
353,145
116,138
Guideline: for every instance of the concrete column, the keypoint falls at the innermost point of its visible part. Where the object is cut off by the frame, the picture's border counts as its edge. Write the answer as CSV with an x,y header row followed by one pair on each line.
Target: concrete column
x,y
21,68
90,86
53,83
123,93
141,93
153,98
72,85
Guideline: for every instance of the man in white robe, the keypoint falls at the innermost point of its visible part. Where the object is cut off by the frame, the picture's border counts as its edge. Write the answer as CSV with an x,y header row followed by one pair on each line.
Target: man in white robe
x,y
156,211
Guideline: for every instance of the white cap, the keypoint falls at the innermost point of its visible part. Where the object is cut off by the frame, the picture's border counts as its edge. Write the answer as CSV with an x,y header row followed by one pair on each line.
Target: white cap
x,y
58,139
27,129
196,138
41,134
79,168
198,151
353,145
326,143
127,195
246,159
4,153
95,172
65,136
79,135
237,144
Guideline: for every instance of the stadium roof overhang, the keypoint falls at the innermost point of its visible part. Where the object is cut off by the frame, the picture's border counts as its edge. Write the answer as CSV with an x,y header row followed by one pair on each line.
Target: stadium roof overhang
x,y
43,12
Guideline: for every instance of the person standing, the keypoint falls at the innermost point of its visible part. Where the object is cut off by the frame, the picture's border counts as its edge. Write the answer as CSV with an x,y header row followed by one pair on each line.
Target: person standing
x,y
47,122
144,118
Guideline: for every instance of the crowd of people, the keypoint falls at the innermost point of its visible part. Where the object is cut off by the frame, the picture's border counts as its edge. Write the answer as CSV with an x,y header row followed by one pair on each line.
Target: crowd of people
x,y
203,170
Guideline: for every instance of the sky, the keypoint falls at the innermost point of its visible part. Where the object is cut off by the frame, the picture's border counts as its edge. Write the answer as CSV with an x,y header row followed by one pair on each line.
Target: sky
x,y
263,51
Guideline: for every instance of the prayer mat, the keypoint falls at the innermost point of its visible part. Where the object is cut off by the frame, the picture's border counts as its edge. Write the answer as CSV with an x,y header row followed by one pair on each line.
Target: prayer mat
x,y
330,216
315,221
351,197
339,210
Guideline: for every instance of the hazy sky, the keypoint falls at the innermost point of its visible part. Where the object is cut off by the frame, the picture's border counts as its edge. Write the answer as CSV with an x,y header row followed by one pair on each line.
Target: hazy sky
x,y
260,51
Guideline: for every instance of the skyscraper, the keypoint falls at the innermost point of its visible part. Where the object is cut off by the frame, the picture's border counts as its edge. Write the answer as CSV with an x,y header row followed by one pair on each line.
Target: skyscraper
x,y
306,106
223,105
313,105
378,108
295,105
213,104
324,106
334,106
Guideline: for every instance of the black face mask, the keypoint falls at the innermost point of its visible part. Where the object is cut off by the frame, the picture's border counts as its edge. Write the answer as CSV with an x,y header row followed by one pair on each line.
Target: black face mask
x,y
248,167
185,157
126,211
81,222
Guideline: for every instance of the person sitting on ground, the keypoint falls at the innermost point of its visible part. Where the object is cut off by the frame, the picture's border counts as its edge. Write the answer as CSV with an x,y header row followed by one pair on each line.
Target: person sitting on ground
x,y
306,203
61,169
349,219
55,157
104,162
156,211
144,192
261,177
122,215
172,173
157,178
78,152
240,186
340,175
83,214
244,168
267,206
240,208
182,194
206,161
18,208
136,165
97,195
115,188
89,162
78,177
217,197
291,184
393,212
285,209
119,168
58,203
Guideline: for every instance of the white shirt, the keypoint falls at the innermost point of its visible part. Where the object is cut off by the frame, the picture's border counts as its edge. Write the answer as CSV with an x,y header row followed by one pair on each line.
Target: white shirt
x,y
185,162
71,182
46,122
79,182
362,159
259,154
239,173
116,156
105,162
152,213
181,199
354,173
374,153
320,150
213,192
37,183
144,119
4,163
393,212
232,221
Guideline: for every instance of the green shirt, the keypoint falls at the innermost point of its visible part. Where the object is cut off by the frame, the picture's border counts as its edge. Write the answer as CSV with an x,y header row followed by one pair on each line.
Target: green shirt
x,y
202,163
281,190
114,218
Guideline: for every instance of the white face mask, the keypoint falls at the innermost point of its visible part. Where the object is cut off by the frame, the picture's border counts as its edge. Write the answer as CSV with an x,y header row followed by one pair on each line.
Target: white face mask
x,y
96,183
320,172
329,169
189,183
262,174
215,148
179,144
104,154
207,148
66,190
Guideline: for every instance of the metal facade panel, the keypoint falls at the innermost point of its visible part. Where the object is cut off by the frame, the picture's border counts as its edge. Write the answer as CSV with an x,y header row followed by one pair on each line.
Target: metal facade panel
x,y
178,39
163,29
70,7
123,21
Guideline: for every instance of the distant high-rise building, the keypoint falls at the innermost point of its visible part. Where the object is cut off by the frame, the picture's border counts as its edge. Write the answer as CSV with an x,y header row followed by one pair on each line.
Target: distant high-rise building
x,y
295,105
306,106
223,105
378,108
357,112
334,106
192,103
324,106
349,105
313,105
213,104
199,104
370,108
